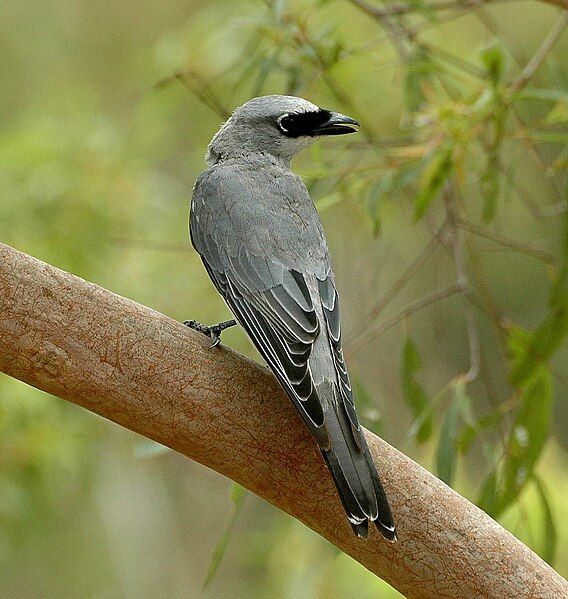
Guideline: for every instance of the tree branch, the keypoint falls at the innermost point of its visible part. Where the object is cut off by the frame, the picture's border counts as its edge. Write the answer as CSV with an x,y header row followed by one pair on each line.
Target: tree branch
x,y
152,375
402,8
541,54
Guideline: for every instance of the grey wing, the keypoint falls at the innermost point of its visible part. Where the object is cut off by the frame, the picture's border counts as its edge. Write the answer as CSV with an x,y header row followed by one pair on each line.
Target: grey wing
x,y
272,303
330,304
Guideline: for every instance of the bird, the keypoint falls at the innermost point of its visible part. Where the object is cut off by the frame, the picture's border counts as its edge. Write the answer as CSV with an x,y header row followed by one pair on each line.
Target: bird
x,y
261,240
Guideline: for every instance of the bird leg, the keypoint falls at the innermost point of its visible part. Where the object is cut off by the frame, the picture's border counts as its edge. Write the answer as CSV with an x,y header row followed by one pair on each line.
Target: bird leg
x,y
213,331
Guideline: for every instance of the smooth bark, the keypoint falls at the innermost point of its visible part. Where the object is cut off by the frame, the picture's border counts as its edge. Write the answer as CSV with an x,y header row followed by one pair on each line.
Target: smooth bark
x,y
152,375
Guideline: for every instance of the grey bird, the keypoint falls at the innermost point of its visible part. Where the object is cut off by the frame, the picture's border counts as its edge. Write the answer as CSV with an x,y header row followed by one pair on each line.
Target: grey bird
x,y
261,240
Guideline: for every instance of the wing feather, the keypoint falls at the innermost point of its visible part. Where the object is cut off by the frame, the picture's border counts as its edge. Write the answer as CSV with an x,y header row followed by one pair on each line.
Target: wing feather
x,y
279,317
330,305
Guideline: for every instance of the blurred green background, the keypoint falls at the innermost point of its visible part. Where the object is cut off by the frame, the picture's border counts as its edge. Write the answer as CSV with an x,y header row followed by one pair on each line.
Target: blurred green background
x,y
106,110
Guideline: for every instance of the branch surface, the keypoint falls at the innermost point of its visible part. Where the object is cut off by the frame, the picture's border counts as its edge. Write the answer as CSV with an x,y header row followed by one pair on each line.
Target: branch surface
x,y
152,375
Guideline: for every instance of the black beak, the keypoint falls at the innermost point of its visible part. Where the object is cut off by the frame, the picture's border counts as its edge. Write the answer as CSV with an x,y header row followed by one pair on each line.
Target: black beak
x,y
337,124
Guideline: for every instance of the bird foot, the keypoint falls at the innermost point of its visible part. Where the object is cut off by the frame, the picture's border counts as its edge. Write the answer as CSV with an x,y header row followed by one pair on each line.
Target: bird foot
x,y
213,331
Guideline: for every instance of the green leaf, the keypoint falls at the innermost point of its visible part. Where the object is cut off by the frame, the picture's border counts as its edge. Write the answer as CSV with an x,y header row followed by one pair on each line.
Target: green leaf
x,y
377,193
518,341
559,293
419,68
559,113
554,95
528,436
549,533
237,495
490,187
541,345
432,179
446,455
472,430
463,401
529,350
413,392
488,499
371,416
552,137
493,60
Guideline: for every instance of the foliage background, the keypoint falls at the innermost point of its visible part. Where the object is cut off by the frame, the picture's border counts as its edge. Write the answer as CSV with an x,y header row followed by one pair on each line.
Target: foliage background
x,y
106,112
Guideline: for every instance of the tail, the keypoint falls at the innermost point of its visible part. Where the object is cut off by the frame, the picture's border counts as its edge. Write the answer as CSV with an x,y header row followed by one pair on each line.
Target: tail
x,y
356,477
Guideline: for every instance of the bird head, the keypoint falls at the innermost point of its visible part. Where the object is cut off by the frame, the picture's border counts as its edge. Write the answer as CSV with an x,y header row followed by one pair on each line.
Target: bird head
x,y
278,126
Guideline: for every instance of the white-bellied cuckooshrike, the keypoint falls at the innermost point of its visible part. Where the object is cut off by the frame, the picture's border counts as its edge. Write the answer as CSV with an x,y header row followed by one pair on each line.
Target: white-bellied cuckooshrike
x,y
262,243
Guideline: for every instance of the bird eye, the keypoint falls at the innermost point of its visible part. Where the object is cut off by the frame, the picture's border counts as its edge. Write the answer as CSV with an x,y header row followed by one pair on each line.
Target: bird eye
x,y
297,124
284,123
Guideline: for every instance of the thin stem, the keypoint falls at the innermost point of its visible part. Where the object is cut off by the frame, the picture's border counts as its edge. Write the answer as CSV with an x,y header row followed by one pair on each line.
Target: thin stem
x,y
400,283
413,307
524,248
457,245
198,86
541,54
397,33
398,9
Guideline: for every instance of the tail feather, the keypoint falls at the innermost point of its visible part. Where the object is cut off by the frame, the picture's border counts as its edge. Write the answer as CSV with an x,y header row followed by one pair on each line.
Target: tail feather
x,y
355,476
357,519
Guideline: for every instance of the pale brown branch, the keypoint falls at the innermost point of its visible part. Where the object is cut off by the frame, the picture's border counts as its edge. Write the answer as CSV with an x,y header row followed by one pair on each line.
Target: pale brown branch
x,y
402,8
458,252
396,31
522,247
152,375
197,85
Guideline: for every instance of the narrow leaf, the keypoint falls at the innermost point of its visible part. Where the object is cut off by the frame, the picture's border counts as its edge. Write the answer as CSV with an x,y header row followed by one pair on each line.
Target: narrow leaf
x,y
419,68
432,179
493,60
372,417
488,500
528,436
237,495
549,533
553,137
471,431
413,392
375,197
554,95
559,113
447,447
529,350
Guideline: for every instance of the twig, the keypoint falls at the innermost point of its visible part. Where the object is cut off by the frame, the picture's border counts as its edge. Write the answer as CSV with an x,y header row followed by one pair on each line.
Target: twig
x,y
541,54
398,285
457,245
200,88
398,9
519,246
524,134
342,97
395,31
374,330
